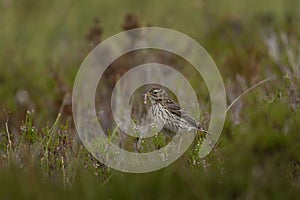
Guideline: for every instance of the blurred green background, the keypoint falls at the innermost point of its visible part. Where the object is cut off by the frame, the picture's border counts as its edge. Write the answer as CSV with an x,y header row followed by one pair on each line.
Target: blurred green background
x,y
42,44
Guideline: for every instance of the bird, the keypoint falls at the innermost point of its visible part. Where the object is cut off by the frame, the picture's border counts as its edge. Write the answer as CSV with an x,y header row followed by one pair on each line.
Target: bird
x,y
166,111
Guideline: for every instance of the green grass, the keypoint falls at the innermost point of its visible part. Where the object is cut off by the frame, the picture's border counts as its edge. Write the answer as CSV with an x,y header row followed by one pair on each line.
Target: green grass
x,y
42,45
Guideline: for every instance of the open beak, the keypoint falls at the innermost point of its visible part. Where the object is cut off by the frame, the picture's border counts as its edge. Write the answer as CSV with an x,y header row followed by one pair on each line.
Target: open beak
x,y
146,95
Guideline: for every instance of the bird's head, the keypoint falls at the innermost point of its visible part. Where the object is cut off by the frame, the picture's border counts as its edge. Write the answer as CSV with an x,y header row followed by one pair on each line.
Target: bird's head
x,y
156,95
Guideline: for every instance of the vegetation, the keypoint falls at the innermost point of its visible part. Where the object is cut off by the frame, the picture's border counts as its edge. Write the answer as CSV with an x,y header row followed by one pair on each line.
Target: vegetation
x,y
42,46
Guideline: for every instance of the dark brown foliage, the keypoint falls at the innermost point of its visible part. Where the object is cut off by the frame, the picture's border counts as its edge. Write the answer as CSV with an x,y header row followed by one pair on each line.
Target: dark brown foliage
x,y
95,33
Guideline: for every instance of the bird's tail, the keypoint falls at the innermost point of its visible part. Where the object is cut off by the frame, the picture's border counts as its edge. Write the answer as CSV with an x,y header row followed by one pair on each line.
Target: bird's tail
x,y
202,130
199,128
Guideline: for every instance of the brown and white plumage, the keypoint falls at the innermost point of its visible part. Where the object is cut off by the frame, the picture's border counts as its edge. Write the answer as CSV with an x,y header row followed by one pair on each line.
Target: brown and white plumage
x,y
168,112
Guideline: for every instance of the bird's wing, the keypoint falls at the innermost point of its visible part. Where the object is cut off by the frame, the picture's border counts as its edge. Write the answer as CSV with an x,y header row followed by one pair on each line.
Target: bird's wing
x,y
173,107
176,109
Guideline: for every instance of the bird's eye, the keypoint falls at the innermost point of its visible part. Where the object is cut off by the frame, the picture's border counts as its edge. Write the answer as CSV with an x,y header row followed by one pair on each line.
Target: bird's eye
x,y
154,92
